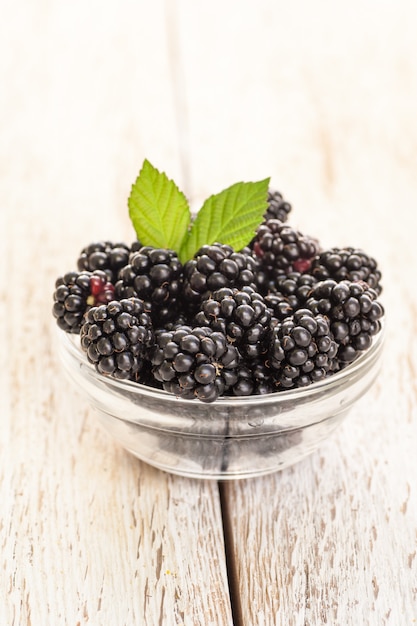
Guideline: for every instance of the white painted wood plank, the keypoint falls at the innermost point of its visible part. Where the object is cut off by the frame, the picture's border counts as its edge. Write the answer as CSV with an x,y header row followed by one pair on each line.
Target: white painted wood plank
x,y
316,96
88,534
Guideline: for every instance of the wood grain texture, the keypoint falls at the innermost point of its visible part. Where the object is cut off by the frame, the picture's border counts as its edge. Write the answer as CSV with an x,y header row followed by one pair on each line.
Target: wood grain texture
x,y
320,96
88,534
333,539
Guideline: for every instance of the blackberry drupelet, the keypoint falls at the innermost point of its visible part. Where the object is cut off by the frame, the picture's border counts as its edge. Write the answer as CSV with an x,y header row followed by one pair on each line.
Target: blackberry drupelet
x,y
241,315
194,362
117,336
302,350
214,267
154,275
104,255
281,247
354,314
136,246
347,264
75,293
278,208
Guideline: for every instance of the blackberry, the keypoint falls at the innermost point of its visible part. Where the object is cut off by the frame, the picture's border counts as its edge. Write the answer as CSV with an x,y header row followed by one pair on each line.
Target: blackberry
x,y
353,311
75,293
194,362
281,247
302,350
214,267
347,264
240,314
116,337
104,255
154,275
278,208
295,287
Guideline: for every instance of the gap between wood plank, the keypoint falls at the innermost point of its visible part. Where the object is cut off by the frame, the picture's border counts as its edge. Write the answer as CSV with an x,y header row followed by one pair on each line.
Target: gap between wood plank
x,y
231,567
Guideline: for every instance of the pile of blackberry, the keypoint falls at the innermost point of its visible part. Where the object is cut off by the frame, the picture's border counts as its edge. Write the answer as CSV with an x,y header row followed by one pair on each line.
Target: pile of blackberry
x,y
279,314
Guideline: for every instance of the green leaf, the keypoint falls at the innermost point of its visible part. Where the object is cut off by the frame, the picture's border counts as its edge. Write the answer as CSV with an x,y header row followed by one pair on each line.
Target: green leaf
x,y
158,209
229,217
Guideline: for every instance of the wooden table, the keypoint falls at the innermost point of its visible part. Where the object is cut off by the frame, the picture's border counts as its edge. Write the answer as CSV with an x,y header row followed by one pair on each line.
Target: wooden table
x,y
320,96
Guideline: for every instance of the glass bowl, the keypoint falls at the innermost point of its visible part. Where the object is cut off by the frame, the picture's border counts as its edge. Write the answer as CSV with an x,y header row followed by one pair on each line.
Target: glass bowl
x,y
231,438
